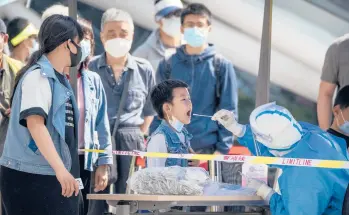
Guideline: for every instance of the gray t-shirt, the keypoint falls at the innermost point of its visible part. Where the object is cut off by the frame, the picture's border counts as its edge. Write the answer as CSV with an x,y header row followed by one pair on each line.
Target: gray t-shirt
x,y
336,65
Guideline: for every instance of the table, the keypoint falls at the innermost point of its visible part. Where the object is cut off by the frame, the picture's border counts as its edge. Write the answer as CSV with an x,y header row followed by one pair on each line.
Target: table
x,y
126,204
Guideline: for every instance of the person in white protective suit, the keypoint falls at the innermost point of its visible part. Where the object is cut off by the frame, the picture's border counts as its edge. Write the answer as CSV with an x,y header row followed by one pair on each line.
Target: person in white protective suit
x,y
273,132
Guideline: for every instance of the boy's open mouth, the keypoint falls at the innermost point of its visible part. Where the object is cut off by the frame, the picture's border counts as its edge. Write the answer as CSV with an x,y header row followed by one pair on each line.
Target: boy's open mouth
x,y
189,113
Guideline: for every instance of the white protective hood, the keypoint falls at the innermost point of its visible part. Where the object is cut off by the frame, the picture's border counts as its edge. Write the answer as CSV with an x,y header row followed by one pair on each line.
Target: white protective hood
x,y
275,127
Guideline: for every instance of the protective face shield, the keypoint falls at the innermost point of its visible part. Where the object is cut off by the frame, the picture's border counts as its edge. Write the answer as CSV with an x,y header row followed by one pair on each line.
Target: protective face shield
x,y
172,26
85,49
118,47
275,127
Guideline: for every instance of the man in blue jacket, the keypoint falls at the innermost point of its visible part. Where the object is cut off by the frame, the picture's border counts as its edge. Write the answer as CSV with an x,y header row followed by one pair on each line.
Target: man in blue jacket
x,y
211,79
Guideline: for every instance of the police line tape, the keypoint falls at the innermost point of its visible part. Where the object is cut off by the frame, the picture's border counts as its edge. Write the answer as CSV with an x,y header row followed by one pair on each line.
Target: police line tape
x,y
300,162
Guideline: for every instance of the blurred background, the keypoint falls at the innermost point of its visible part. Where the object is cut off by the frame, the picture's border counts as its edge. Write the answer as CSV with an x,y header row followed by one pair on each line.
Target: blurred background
x,y
302,30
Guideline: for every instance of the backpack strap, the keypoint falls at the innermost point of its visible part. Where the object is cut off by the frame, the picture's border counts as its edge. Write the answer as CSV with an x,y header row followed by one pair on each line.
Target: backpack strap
x,y
217,63
168,67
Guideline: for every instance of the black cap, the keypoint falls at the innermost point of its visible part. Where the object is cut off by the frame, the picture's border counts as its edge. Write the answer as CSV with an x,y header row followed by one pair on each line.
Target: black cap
x,y
2,27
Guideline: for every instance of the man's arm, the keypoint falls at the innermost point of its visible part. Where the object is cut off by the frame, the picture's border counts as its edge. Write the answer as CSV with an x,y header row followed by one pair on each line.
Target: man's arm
x,y
324,104
103,129
146,124
228,101
148,110
329,81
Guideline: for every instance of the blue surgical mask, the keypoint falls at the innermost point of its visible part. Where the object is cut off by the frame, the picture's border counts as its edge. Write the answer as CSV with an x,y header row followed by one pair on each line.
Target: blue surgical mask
x,y
345,126
176,124
195,37
85,49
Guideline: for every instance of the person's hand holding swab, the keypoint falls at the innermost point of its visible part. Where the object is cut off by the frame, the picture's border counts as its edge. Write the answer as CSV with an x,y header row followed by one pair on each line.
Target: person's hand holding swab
x,y
227,119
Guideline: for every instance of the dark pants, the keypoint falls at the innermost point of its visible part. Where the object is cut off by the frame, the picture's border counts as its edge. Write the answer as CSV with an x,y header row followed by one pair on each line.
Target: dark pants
x,y
32,194
86,179
126,139
209,151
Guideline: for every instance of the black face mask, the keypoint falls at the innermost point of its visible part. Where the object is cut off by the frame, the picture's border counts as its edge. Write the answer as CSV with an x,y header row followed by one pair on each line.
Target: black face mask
x,y
75,58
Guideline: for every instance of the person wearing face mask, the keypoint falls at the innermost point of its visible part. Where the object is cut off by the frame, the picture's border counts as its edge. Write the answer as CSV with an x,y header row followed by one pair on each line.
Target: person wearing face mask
x,y
198,64
340,125
163,41
22,39
340,129
127,81
171,100
273,132
40,163
94,130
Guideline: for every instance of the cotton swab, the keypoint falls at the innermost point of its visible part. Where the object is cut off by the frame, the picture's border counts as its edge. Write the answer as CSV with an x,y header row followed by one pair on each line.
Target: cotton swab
x,y
194,114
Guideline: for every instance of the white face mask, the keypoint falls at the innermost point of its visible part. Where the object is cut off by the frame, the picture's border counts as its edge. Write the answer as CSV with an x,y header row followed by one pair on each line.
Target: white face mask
x,y
85,49
118,47
172,26
34,48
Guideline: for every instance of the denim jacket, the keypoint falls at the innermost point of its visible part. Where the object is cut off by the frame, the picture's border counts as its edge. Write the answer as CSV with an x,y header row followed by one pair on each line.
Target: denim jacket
x,y
96,121
174,144
20,151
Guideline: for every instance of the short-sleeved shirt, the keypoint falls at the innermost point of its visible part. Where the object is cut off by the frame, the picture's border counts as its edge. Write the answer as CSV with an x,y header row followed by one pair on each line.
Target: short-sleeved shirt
x,y
138,104
37,100
336,65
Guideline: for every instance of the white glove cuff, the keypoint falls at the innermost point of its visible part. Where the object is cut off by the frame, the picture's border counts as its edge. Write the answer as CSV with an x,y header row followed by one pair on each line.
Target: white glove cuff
x,y
265,192
241,129
237,129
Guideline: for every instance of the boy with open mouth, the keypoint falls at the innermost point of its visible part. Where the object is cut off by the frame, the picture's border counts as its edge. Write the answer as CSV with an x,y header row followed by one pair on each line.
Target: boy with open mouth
x,y
171,100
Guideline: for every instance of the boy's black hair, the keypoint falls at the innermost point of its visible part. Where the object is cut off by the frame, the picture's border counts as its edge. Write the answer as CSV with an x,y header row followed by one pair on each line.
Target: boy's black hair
x,y
197,9
342,98
162,93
